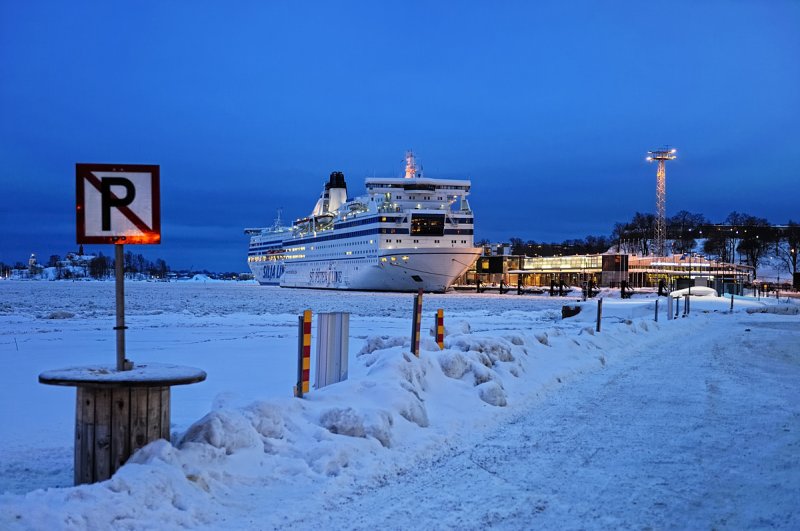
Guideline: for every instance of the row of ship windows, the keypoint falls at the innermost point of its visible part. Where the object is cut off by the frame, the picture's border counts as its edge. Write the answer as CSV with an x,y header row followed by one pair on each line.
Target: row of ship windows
x,y
446,231
372,186
367,232
413,197
386,219
417,241
367,221
344,244
275,257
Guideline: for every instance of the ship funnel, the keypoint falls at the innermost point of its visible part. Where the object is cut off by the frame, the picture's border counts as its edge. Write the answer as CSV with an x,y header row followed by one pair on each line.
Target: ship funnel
x,y
336,190
333,195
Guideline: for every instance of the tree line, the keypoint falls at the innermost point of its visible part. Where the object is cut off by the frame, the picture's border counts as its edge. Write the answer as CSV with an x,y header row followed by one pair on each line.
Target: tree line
x,y
740,237
98,267
134,265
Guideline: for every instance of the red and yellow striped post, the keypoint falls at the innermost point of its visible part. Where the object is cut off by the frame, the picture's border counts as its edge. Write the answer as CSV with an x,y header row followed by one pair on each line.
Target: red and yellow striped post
x,y
303,354
440,328
417,320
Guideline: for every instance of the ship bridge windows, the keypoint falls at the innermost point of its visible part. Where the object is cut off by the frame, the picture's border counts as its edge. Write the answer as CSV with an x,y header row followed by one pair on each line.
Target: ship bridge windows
x,y
427,224
419,187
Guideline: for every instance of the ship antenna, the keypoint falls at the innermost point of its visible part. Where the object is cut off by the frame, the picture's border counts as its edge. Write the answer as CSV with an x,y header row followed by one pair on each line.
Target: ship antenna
x,y
411,166
278,223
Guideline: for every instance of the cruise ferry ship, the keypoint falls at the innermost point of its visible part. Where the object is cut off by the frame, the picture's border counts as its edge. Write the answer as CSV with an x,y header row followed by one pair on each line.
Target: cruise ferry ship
x,y
405,233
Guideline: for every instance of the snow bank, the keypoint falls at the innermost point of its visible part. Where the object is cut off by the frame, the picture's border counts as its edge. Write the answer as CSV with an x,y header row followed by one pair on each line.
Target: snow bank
x,y
780,309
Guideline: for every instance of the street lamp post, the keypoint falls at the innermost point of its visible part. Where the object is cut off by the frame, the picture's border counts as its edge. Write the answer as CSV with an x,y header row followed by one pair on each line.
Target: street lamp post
x,y
683,257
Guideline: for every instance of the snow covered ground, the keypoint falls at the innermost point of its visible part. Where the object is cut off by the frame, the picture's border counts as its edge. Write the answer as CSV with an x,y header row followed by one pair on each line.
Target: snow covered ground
x,y
524,420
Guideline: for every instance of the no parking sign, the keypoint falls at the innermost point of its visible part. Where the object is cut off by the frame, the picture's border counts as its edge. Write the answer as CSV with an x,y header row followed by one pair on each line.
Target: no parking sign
x,y
118,203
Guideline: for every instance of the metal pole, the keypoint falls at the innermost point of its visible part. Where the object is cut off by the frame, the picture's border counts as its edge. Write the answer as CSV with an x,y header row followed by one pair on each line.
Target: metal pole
x,y
303,353
599,312
440,328
656,310
415,325
669,307
119,257
298,388
731,302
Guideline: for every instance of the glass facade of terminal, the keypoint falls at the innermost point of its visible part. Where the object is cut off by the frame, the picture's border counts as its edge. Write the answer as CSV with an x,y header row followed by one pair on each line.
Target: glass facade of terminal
x,y
609,271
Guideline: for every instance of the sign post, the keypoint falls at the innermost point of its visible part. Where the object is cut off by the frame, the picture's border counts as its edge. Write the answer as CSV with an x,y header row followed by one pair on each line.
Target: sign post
x,y
119,256
118,204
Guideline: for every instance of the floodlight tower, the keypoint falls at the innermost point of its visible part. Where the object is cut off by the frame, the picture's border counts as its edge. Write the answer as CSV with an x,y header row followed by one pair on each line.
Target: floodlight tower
x,y
662,156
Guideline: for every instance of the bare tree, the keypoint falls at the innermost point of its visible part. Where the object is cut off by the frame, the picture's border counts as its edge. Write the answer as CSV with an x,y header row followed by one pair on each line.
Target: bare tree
x,y
683,227
750,242
788,250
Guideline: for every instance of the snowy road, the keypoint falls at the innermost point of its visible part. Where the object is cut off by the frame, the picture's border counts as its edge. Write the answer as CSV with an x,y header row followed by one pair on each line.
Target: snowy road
x,y
701,436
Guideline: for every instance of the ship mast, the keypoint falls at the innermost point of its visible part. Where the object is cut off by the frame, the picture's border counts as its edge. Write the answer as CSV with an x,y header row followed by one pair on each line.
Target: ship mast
x,y
411,165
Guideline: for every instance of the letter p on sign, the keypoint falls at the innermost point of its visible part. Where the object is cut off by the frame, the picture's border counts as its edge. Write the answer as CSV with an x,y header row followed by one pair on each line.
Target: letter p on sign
x,y
118,203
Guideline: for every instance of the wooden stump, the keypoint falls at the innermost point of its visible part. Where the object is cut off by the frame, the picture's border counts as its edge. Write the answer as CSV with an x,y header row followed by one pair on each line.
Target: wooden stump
x,y
118,412
111,424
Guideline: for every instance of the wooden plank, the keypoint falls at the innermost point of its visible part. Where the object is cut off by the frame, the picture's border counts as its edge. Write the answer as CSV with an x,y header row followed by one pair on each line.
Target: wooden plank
x,y
138,418
102,435
84,435
120,427
165,420
153,413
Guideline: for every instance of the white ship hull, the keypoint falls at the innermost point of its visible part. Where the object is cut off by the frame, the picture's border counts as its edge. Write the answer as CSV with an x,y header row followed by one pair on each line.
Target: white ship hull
x,y
432,270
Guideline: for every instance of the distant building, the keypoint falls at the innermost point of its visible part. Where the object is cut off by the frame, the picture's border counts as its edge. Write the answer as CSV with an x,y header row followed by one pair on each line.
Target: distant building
x,y
498,268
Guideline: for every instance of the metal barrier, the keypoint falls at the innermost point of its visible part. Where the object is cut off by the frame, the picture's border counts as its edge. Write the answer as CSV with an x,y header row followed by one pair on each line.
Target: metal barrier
x,y
333,330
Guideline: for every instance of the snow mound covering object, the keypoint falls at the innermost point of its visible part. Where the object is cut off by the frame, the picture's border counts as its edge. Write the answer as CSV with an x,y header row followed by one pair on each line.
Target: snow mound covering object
x,y
370,423
484,362
381,342
696,291
452,328
203,278
493,393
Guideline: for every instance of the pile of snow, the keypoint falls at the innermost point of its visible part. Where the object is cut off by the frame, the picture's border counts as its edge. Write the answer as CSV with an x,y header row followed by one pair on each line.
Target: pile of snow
x,y
696,291
200,277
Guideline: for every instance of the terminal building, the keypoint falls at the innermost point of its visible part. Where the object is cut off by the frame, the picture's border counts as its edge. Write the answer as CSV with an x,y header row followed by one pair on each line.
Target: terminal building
x,y
497,267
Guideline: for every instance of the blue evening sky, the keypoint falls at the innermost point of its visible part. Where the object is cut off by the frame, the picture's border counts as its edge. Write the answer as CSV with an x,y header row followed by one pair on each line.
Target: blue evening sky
x,y
549,107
